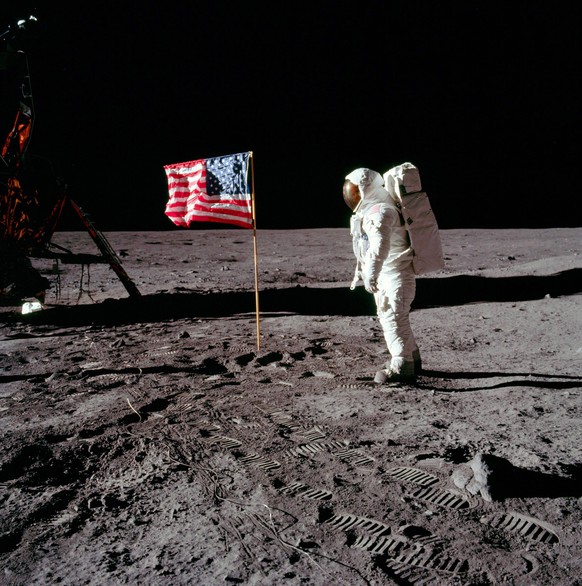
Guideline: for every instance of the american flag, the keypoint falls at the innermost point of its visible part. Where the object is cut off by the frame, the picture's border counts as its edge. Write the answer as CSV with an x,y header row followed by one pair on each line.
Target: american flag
x,y
210,190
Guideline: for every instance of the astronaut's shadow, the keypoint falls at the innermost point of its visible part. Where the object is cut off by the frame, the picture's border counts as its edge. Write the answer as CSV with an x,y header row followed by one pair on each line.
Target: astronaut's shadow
x,y
464,289
550,381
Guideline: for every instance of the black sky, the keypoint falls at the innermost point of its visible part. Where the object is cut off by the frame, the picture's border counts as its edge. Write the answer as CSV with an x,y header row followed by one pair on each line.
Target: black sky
x,y
482,96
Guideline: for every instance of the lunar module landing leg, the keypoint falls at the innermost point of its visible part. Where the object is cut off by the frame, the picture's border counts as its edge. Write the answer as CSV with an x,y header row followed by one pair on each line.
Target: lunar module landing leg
x,y
106,250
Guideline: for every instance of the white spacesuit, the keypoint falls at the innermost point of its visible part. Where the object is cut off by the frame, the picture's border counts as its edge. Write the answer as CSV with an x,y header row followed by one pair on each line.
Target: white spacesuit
x,y
384,263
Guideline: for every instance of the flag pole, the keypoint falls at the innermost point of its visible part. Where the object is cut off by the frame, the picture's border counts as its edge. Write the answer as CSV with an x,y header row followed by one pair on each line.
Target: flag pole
x,y
255,250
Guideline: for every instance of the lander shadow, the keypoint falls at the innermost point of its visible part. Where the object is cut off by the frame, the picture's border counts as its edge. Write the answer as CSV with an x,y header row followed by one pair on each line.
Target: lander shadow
x,y
306,300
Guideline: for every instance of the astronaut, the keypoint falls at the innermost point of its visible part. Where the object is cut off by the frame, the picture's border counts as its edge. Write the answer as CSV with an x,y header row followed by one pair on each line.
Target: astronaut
x,y
384,263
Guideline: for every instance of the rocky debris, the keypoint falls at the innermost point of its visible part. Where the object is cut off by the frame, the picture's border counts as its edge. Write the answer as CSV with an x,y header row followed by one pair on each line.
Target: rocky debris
x,y
487,475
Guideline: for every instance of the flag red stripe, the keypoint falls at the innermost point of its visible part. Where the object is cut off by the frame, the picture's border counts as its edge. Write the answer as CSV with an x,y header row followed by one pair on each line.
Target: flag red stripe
x,y
219,210
181,220
195,204
185,195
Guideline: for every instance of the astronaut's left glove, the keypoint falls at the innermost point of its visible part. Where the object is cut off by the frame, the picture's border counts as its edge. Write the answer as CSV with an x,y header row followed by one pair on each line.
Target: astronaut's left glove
x,y
370,285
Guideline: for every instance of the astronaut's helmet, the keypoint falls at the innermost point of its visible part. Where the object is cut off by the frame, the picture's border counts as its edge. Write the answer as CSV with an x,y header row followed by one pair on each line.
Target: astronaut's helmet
x,y
351,193
359,184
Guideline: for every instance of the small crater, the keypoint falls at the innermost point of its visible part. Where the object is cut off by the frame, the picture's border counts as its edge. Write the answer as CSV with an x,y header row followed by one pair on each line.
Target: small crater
x,y
212,366
155,405
244,359
87,433
458,454
269,358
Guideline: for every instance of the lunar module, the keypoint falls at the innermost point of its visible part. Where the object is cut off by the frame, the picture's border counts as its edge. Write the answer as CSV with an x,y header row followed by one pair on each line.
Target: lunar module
x,y
32,197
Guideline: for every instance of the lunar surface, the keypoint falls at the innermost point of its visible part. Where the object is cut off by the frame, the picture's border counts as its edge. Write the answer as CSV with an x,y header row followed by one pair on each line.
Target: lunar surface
x,y
223,426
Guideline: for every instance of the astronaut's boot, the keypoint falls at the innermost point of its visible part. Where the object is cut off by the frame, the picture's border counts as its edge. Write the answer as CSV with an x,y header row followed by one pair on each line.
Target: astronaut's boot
x,y
400,371
415,357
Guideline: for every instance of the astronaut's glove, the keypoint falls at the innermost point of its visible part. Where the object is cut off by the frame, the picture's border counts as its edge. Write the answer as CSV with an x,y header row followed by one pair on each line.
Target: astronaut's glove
x,y
370,285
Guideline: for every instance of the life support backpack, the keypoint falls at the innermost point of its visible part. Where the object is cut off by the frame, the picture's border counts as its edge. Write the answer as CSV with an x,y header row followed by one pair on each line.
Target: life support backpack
x,y
403,184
